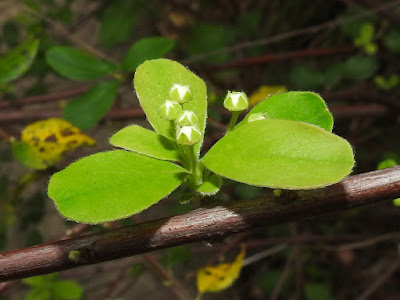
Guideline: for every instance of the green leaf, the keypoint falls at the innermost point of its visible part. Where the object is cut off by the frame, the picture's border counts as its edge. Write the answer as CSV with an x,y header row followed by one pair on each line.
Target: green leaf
x,y
67,289
153,82
16,62
40,281
281,154
210,37
89,108
74,64
27,156
297,106
211,185
360,67
145,49
176,255
387,163
144,141
305,78
392,41
317,291
118,21
112,185
38,294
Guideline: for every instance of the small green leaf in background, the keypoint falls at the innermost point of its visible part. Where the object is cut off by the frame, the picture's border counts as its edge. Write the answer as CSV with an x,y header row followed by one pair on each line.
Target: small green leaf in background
x,y
387,163
74,64
39,281
118,20
11,33
145,49
66,289
365,39
33,212
176,255
112,185
392,41
248,22
90,107
281,154
360,67
386,84
318,291
147,142
153,82
269,279
297,106
306,78
27,156
33,238
16,62
209,37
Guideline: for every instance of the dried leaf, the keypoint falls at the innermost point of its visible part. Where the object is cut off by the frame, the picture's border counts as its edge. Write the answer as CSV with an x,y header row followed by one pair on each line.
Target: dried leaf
x,y
264,92
219,277
47,140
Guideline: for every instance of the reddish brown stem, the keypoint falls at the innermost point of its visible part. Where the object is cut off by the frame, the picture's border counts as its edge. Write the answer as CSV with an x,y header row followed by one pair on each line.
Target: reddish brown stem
x,y
269,58
44,98
202,224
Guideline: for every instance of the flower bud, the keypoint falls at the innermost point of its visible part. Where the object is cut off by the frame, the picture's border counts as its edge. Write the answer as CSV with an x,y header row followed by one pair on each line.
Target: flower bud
x,y
170,110
188,135
236,101
256,117
187,118
180,93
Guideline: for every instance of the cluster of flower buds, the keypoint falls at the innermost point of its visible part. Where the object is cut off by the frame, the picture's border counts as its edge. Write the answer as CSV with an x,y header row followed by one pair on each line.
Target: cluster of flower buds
x,y
186,121
236,101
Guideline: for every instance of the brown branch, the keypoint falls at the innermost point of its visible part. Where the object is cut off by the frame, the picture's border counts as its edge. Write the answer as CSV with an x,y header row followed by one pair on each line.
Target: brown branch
x,y
274,57
201,224
44,98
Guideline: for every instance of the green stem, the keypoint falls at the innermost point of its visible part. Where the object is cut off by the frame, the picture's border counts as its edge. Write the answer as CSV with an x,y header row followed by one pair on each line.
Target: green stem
x,y
232,123
191,164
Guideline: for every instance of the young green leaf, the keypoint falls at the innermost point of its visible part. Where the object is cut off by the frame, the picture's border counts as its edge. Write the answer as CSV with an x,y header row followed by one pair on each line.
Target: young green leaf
x,y
360,67
77,65
153,82
281,154
112,185
89,108
145,49
306,78
118,20
66,289
297,106
211,185
147,142
16,62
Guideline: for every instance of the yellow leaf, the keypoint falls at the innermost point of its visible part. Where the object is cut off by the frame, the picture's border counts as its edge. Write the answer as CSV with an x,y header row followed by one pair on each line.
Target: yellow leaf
x,y
265,91
219,277
49,139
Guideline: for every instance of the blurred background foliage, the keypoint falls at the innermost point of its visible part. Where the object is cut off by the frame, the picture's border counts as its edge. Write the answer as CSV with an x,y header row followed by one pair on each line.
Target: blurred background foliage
x,y
75,59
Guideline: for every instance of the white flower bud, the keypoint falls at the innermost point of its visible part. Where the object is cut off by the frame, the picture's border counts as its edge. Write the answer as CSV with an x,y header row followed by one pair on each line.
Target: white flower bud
x,y
236,101
170,110
187,118
180,93
188,135
256,117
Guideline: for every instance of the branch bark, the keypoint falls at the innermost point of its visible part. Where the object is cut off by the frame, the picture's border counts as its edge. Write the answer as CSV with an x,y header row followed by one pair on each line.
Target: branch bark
x,y
202,224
